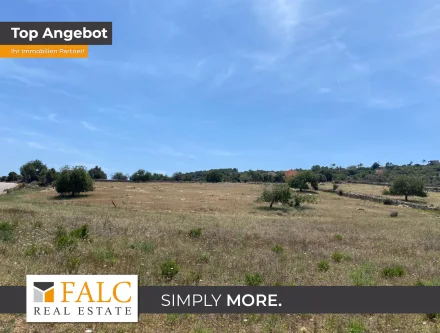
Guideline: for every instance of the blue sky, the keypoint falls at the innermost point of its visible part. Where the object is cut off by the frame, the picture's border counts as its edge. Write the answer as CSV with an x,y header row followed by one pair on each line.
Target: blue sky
x,y
253,84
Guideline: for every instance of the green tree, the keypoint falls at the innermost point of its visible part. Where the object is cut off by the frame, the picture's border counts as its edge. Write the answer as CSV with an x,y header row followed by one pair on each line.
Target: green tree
x,y
73,181
119,176
50,176
141,176
301,181
12,177
97,173
214,176
375,166
408,186
33,171
276,193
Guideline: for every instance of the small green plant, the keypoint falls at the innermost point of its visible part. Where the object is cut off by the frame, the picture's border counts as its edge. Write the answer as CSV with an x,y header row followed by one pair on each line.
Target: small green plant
x,y
299,199
386,191
278,249
72,265
394,214
433,316
169,269
146,247
253,280
432,283
340,256
6,231
106,255
356,326
339,237
31,250
195,233
364,275
323,266
64,242
393,271
80,233
388,202
204,258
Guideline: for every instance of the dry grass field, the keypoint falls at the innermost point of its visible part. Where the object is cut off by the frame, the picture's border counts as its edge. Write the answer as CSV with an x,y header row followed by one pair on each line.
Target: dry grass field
x,y
151,223
432,199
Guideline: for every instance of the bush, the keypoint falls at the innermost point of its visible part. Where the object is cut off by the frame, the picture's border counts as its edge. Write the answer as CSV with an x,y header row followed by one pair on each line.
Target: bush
x,y
323,266
80,233
106,255
31,250
72,265
394,271
253,280
6,231
214,176
394,214
340,256
119,176
64,241
365,275
301,181
340,192
299,199
97,173
275,193
278,249
356,327
141,176
195,233
388,202
169,269
339,237
335,187
146,247
386,191
12,177
73,181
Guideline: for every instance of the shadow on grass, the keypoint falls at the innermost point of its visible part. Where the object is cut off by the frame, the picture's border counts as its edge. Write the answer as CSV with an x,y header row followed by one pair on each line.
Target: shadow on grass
x,y
69,197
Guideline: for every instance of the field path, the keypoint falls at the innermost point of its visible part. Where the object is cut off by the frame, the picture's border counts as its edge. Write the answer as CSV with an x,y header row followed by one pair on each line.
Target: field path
x,y
6,186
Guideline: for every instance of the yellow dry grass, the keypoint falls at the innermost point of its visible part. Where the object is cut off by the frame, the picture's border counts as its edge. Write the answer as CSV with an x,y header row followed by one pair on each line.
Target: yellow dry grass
x,y
237,238
432,199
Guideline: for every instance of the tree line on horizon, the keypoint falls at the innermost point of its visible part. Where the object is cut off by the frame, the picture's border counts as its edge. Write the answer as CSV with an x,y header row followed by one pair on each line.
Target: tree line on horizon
x,y
37,171
407,180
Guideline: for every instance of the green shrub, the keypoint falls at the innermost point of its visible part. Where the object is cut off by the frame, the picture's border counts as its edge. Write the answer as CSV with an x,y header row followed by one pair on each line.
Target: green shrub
x,y
364,275
195,233
204,258
339,237
31,250
253,280
80,233
278,249
393,271
169,269
6,231
356,326
299,199
340,192
64,242
106,255
388,202
386,191
275,193
323,266
147,247
72,265
335,187
394,214
340,256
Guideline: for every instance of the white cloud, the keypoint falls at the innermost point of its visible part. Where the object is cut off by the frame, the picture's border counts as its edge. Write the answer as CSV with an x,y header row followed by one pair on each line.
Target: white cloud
x,y
89,126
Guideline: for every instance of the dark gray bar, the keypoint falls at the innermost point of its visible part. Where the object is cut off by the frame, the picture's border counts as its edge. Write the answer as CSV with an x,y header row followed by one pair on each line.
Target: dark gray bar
x,y
292,299
301,299
32,33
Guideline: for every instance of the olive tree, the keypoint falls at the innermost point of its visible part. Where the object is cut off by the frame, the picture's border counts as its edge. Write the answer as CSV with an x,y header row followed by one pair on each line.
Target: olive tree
x,y
73,181
408,186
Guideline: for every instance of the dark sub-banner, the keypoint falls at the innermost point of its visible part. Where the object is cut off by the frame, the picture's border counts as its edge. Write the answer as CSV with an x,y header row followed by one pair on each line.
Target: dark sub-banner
x,y
179,299
56,33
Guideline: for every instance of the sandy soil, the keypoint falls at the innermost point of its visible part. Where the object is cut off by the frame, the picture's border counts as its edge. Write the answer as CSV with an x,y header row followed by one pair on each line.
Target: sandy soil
x,y
5,186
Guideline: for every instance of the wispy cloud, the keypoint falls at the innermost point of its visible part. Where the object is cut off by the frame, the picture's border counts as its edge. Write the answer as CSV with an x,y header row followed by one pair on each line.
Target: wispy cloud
x,y
224,76
14,70
9,140
89,126
223,153
390,104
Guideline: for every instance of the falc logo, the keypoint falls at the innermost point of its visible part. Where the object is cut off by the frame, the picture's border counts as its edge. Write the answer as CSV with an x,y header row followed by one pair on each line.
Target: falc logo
x,y
81,298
